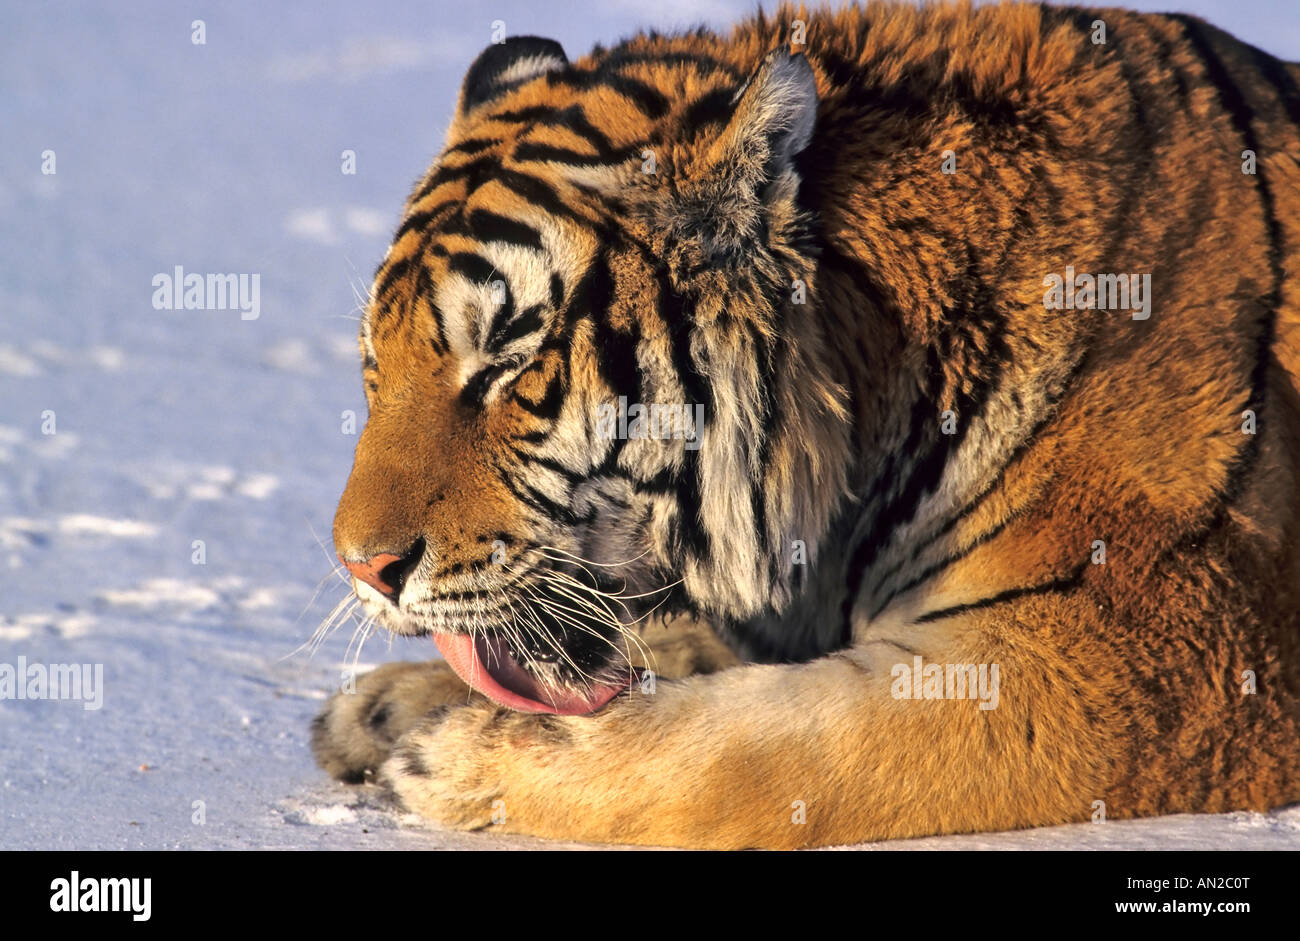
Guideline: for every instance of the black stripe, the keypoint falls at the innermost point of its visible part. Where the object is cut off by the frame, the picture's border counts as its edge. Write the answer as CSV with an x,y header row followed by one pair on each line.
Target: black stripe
x,y
472,146
714,108
1274,70
473,595
932,570
1065,583
972,298
873,304
550,464
522,115
842,73
529,320
548,406
993,485
475,389
540,194
1134,64
619,368
1166,49
767,419
574,120
1242,116
592,298
475,171
692,535
490,227
536,436
397,270
418,220
545,152
594,294
424,288
662,484
536,499
671,309
475,267
649,101
490,338
455,225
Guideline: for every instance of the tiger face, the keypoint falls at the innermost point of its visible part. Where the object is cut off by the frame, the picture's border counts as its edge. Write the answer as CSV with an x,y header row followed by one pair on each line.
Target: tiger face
x,y
571,355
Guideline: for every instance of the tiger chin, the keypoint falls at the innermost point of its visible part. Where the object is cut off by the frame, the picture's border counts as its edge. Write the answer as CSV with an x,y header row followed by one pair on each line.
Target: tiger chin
x,y
916,473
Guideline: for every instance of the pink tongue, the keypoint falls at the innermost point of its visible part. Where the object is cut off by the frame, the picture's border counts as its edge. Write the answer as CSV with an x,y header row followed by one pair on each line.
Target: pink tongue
x,y
488,668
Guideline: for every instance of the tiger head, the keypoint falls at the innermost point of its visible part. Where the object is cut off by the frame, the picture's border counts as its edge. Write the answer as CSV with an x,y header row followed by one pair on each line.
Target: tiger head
x,y
596,385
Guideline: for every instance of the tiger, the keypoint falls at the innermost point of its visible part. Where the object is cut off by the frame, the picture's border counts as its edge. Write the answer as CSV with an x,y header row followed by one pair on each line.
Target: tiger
x,y
877,422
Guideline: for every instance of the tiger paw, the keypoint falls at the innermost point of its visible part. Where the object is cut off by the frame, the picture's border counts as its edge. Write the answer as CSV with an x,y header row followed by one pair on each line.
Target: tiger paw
x,y
457,768
357,729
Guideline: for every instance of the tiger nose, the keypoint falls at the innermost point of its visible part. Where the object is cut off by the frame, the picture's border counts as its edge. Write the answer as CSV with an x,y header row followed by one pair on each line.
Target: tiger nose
x,y
386,572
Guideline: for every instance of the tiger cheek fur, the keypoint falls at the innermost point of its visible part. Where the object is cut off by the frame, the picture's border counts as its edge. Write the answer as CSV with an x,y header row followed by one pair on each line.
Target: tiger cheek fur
x,y
908,459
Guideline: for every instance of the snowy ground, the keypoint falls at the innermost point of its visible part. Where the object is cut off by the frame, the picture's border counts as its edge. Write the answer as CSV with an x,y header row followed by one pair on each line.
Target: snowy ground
x,y
171,427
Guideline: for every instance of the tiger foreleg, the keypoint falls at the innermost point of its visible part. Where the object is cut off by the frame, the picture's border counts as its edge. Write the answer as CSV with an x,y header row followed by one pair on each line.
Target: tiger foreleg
x,y
775,756
356,730
359,725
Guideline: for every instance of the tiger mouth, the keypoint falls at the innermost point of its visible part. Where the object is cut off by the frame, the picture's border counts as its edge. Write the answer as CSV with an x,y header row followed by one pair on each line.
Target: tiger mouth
x,y
489,665
552,645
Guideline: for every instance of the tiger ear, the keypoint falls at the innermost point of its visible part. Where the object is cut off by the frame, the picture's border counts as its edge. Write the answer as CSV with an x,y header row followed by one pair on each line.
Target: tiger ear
x,y
772,121
748,170
502,66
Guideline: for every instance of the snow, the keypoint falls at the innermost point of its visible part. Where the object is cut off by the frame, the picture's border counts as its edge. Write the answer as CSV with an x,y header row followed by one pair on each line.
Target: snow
x,y
168,477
